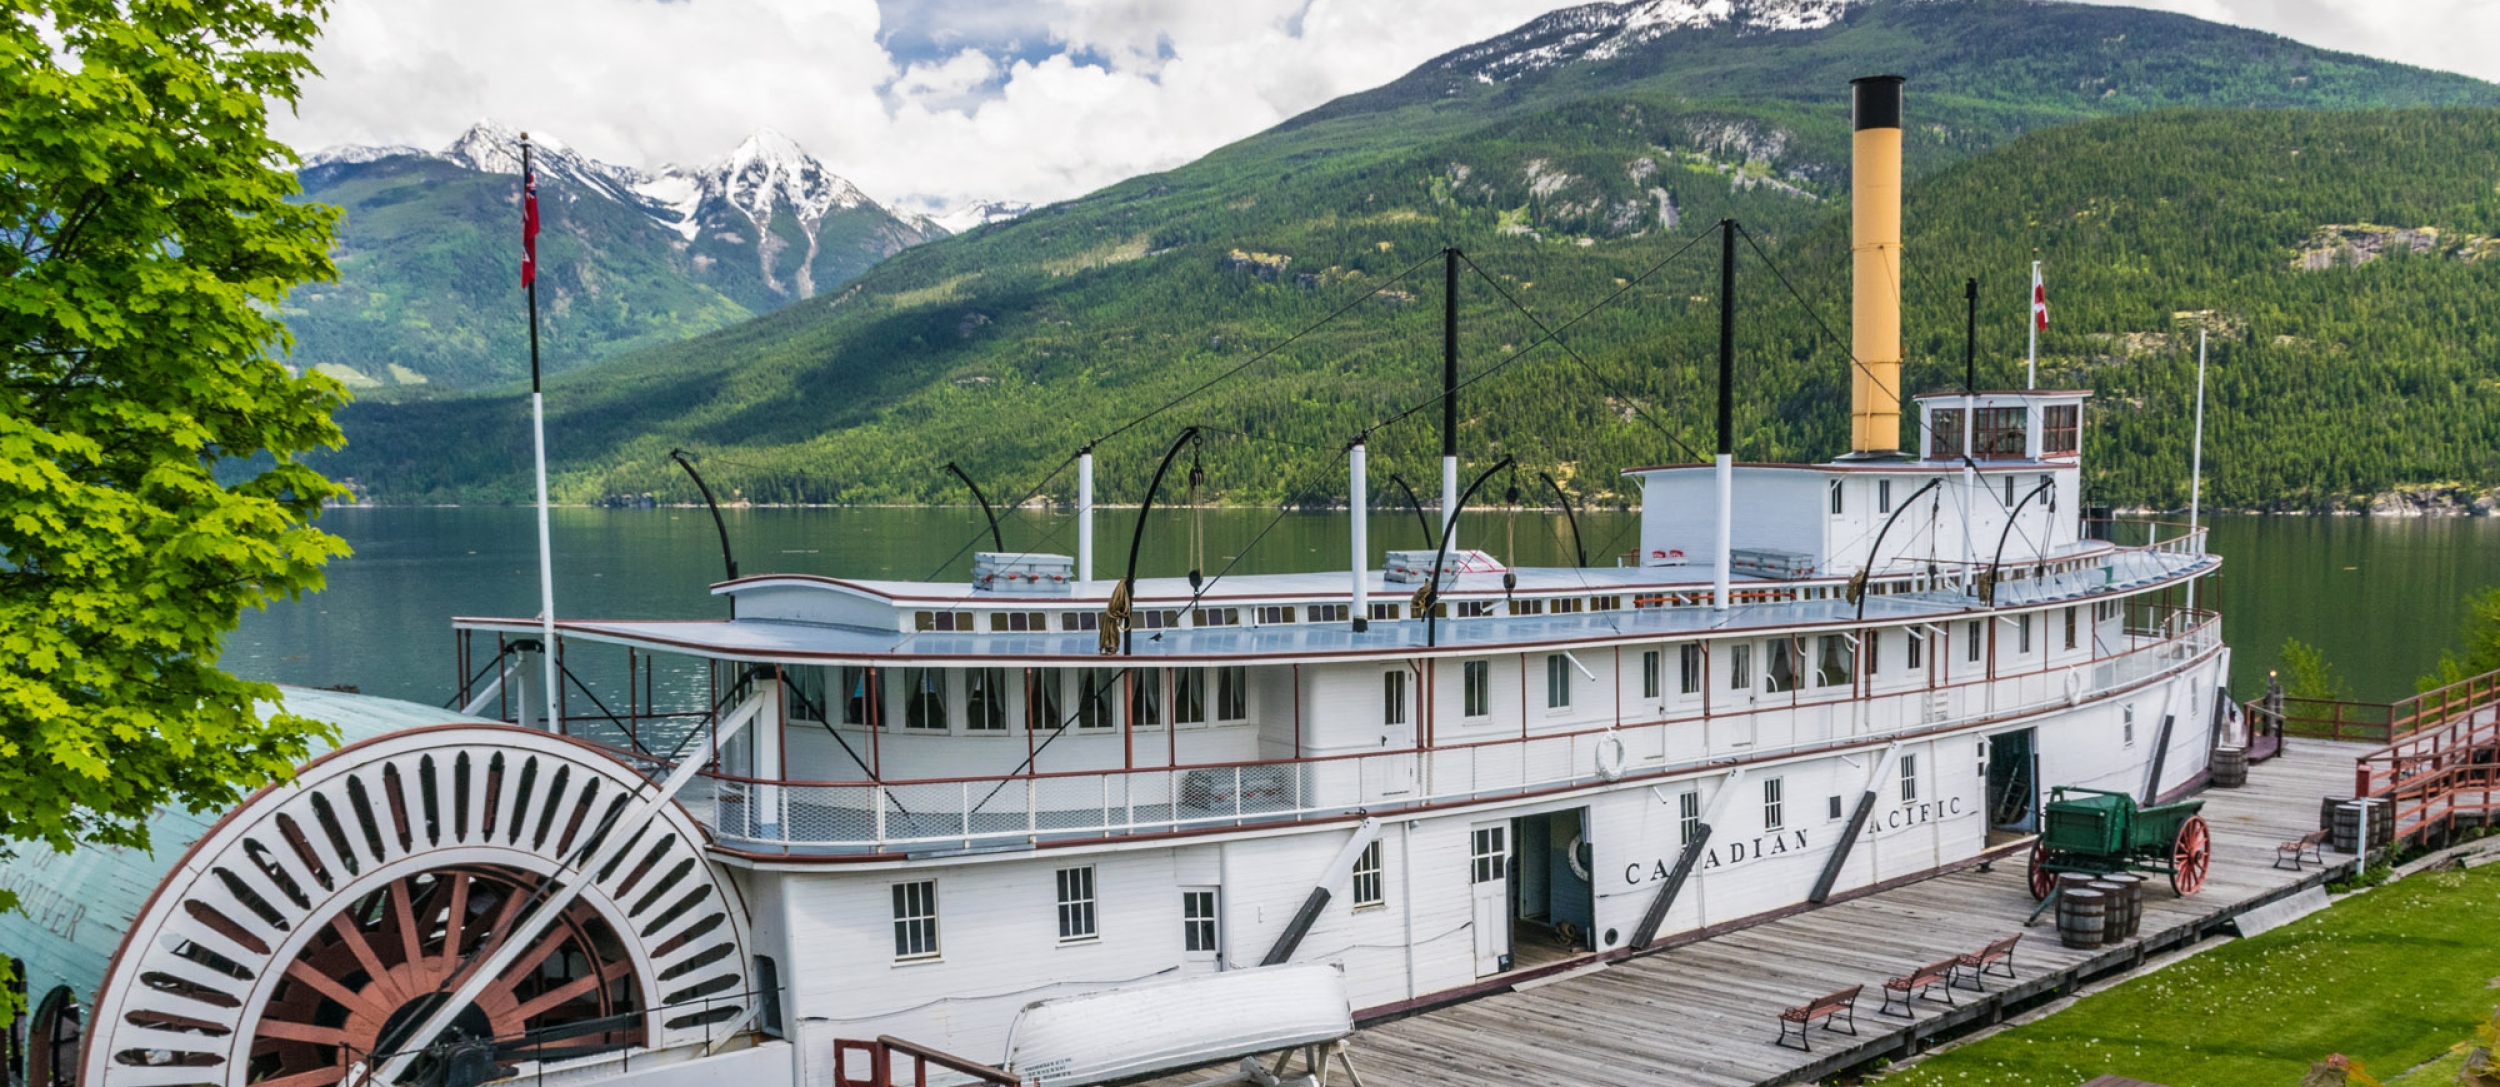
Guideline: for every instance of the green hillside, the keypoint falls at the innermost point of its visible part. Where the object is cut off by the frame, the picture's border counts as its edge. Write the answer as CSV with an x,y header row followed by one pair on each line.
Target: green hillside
x,y
1008,347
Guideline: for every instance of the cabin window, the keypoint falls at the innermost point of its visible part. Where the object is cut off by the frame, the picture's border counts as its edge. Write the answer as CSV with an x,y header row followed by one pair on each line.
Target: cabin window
x,y
1883,496
1489,853
1874,651
1018,622
924,698
942,620
985,699
2009,492
1917,649
1384,611
2126,726
1944,434
1774,806
1189,696
2062,432
1325,613
915,920
1275,614
1779,667
2048,494
1566,605
1159,618
1477,681
1076,903
859,696
1688,668
1474,609
1653,668
1835,663
1367,881
1045,709
1838,507
1527,607
1909,779
1393,697
1557,682
1096,698
1739,667
1605,603
1687,816
1232,693
2022,633
806,690
1198,920
1080,620
1215,617
1998,433
2070,626
1971,652
1145,699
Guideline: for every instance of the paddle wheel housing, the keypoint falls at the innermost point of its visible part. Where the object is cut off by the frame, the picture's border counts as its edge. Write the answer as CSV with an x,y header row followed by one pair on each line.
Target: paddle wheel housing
x,y
317,924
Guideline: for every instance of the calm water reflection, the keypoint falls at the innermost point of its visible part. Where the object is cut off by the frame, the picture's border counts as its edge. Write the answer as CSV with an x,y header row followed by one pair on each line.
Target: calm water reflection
x,y
2382,598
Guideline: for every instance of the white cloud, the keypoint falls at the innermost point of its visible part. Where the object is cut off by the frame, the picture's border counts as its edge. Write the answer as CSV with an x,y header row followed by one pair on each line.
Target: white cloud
x,y
2450,35
1118,88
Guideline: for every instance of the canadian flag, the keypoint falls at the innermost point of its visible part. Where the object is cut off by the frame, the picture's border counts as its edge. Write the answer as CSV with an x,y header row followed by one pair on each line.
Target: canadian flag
x,y
2039,300
529,220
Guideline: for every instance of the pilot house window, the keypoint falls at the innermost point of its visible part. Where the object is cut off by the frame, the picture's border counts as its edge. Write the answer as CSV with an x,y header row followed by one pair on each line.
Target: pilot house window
x,y
1998,433
924,698
2063,431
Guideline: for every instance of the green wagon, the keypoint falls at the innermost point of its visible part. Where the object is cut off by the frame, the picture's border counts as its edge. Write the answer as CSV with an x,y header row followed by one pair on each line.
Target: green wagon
x,y
2100,832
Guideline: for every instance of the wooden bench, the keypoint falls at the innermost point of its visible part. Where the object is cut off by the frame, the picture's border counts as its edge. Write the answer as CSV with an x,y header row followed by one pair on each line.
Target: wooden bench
x,y
2306,847
1833,1009
1917,984
1977,965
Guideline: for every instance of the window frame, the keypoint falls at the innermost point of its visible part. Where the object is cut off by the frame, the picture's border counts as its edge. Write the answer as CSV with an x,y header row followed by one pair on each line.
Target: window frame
x,y
1557,683
1774,804
915,907
1691,666
1475,690
1393,698
1909,777
1078,905
1368,889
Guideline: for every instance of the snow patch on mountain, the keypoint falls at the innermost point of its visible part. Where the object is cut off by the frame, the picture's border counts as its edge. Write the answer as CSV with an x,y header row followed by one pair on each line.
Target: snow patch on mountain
x,y
979,213
349,154
1604,31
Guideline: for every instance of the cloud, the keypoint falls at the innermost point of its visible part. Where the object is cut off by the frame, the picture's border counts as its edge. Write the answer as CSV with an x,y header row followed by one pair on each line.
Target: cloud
x,y
925,102
2450,35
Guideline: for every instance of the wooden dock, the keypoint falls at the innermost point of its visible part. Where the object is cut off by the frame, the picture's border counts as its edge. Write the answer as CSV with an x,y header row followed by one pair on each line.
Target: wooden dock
x,y
1704,1013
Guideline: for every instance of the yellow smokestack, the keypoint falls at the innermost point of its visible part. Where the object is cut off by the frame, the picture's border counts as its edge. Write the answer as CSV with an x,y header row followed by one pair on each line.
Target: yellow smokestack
x,y
1875,256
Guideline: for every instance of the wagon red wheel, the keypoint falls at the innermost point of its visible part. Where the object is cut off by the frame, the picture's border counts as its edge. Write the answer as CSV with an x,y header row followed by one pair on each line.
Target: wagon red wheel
x,y
2191,856
2042,880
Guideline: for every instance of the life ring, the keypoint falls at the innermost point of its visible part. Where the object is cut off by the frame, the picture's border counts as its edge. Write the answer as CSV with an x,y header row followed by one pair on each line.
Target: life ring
x,y
1610,757
2074,685
1571,856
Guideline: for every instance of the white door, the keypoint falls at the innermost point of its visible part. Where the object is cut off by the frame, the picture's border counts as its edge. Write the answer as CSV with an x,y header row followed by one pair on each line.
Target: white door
x,y
1389,771
1489,878
1202,931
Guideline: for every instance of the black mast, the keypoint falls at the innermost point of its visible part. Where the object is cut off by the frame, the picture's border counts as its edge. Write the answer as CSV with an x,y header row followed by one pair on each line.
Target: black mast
x,y
1727,337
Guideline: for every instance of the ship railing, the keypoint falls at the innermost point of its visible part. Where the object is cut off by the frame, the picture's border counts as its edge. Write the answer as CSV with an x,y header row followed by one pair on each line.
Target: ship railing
x,y
2444,770
942,815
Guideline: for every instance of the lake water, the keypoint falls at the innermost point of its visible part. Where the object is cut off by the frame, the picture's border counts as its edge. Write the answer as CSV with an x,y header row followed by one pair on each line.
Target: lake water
x,y
2382,598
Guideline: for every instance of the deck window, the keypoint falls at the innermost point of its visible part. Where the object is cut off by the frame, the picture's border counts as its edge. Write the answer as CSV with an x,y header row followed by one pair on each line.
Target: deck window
x,y
1384,612
985,699
1080,620
1327,613
1909,779
1774,804
2022,633
2126,726
1097,698
859,696
1838,506
1393,697
1653,667
1158,618
1272,615
1367,891
805,688
1215,617
1688,668
1045,709
1779,668
2062,433
1835,662
1527,607
1977,632
1883,496
942,620
915,920
1605,603
2070,626
1076,903
1232,693
2009,492
1189,696
1474,609
1917,651
1145,698
1489,853
1198,920
1476,681
1557,682
1874,640
1019,622
924,698
1687,816
1739,667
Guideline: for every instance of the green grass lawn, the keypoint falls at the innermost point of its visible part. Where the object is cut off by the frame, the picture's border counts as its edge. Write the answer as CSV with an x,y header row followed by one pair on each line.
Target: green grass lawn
x,y
2392,978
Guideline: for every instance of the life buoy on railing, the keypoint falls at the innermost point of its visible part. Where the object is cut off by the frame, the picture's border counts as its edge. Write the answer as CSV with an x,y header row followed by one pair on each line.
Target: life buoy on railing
x,y
1610,756
2074,685
1571,855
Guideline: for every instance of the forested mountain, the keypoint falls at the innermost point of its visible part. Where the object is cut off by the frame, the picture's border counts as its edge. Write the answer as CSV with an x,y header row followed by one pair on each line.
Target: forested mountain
x,y
1572,161
429,254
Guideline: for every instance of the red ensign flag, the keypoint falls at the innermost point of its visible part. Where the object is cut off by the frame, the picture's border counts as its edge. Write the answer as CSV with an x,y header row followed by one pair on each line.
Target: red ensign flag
x,y
2039,299
529,227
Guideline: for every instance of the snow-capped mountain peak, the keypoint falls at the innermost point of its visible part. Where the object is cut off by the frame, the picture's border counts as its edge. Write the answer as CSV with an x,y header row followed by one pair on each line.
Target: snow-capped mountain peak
x,y
1603,31
770,166
979,213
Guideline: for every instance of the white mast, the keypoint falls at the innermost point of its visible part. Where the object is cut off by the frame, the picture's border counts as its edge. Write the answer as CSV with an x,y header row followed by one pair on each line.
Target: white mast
x,y
538,435
1085,518
1357,502
2196,458
2031,368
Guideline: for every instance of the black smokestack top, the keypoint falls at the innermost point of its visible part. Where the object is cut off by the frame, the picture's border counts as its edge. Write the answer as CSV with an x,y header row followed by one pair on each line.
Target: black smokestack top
x,y
1878,101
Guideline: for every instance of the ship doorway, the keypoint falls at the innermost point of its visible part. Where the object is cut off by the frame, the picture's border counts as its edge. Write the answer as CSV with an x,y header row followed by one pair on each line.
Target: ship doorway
x,y
1554,902
2013,772
1488,879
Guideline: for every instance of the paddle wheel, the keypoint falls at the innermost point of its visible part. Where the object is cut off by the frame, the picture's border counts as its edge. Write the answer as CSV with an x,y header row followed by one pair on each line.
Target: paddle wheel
x,y
307,936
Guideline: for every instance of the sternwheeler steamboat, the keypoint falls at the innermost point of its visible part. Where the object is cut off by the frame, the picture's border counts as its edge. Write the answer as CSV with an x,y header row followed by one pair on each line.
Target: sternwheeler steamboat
x,y
1079,826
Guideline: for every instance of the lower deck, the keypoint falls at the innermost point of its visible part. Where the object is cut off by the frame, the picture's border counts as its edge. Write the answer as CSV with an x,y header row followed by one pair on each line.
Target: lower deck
x,y
1703,1012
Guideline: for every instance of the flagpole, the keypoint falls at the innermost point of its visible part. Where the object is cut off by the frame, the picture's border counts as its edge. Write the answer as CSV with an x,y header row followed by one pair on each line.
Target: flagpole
x,y
2032,369
538,435
2196,462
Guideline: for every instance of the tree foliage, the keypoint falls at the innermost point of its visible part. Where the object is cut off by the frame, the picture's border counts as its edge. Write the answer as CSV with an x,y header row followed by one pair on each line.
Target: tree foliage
x,y
2478,643
2310,674
145,239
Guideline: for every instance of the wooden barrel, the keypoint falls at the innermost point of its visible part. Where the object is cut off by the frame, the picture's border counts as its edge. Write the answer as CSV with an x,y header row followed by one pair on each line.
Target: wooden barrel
x,y
2348,828
2081,916
2113,909
2133,885
2381,824
2230,767
2074,881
